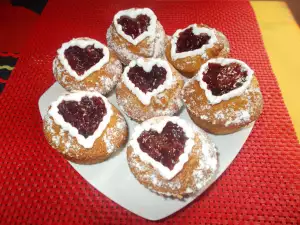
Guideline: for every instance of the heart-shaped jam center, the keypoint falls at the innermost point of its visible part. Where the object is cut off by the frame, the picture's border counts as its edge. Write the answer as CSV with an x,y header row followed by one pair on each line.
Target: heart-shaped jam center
x,y
82,59
147,81
188,41
134,26
164,147
85,115
223,79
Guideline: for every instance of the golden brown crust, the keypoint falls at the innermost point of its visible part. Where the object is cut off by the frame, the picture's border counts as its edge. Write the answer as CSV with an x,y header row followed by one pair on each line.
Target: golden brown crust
x,y
113,137
135,49
213,128
127,51
166,103
189,66
188,181
103,80
227,116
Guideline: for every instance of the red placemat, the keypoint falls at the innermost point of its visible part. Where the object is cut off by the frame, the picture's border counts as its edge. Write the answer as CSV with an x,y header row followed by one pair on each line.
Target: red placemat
x,y
7,62
38,186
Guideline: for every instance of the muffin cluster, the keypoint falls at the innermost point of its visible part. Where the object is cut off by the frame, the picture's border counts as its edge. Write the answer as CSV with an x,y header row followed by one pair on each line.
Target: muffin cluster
x,y
153,77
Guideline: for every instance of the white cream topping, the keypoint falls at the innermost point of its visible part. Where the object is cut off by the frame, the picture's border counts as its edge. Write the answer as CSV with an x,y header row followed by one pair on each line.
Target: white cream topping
x,y
82,43
147,65
73,131
201,51
157,124
213,99
133,13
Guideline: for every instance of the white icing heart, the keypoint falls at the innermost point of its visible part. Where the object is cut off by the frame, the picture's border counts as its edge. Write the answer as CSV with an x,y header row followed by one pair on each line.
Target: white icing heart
x,y
213,99
133,13
82,43
147,65
201,51
73,131
157,124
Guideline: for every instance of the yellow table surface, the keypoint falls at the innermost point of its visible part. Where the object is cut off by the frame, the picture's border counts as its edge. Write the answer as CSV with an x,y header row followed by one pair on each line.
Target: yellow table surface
x,y
281,36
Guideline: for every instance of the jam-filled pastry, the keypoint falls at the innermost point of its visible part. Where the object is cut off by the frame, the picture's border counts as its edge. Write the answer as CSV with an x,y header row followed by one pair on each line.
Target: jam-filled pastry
x,y
191,47
84,127
171,157
87,65
149,88
224,96
136,33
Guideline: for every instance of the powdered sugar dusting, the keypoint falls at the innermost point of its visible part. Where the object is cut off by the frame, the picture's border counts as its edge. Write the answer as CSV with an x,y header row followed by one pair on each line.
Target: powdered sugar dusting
x,y
65,142
56,140
113,132
157,124
154,48
240,116
153,177
86,142
147,66
250,104
109,146
60,139
133,13
204,117
208,164
219,115
213,99
82,43
203,172
201,51
108,78
161,105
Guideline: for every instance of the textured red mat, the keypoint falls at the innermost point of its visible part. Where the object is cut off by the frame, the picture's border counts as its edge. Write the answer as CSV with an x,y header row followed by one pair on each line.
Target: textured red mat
x,y
38,186
16,25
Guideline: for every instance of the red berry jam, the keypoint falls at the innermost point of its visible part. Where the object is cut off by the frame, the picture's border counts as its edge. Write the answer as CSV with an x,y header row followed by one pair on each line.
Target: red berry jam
x,y
85,115
134,27
223,79
164,147
81,59
147,81
188,41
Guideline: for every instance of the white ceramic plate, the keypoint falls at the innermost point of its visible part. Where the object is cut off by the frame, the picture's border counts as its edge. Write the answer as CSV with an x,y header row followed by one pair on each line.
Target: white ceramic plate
x,y
114,179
